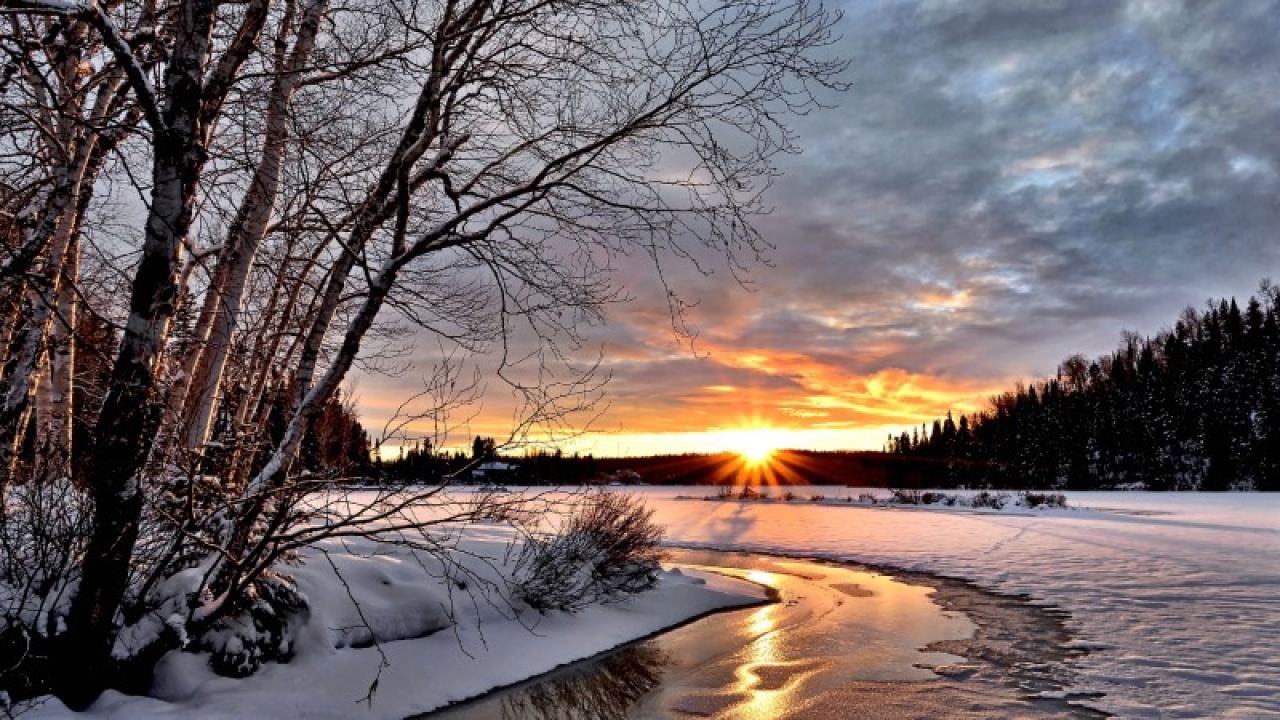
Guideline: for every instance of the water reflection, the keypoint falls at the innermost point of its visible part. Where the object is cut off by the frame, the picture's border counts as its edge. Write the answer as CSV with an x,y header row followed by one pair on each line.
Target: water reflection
x,y
831,627
605,690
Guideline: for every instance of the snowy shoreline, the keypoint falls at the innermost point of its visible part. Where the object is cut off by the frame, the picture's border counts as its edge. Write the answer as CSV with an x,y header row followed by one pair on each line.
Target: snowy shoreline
x,y
1172,595
481,646
767,596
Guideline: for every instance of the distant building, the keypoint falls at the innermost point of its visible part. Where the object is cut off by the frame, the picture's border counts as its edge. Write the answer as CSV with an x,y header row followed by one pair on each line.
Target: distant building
x,y
493,472
621,477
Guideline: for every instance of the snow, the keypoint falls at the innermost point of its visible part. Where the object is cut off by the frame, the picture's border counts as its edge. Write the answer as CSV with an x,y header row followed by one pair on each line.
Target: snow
x,y
1177,596
428,634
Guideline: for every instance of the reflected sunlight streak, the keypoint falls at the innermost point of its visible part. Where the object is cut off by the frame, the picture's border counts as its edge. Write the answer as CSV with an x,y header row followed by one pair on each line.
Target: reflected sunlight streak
x,y
765,699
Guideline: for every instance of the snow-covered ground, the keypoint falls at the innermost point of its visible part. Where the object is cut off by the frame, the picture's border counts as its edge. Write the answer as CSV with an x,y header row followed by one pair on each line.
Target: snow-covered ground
x,y
443,635
1178,593
1179,596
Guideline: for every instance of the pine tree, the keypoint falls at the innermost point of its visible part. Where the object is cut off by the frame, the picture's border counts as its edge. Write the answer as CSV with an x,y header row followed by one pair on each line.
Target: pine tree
x,y
1194,407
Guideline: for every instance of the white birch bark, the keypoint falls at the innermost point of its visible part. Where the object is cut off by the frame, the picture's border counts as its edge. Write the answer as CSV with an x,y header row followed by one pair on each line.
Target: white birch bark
x,y
73,181
182,380
250,227
56,392
24,373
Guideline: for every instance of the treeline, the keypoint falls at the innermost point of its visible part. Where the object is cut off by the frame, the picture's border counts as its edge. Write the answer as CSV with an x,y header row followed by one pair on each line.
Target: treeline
x,y
1195,407
423,463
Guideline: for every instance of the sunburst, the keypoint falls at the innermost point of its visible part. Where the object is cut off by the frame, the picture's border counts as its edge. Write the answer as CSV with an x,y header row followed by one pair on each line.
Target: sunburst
x,y
755,446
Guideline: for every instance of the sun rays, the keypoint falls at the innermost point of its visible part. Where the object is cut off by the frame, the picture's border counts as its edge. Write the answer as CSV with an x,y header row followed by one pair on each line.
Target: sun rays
x,y
755,446
754,458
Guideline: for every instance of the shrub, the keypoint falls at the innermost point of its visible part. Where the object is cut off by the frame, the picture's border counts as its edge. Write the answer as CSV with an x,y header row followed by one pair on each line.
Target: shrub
x,y
607,549
1048,500
817,498
42,541
868,498
261,632
788,496
986,499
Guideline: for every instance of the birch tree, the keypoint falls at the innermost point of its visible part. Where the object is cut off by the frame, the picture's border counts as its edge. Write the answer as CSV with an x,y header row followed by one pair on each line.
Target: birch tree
x,y
475,168
60,110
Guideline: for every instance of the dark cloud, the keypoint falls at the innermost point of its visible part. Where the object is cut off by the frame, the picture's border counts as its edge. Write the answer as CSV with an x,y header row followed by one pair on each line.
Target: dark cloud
x,y
1063,166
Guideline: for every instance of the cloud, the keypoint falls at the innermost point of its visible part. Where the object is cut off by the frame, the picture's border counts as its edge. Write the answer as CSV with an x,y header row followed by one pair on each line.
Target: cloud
x,y
1053,168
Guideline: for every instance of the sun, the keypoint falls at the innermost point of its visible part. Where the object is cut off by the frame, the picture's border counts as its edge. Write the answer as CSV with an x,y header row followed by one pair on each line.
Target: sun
x,y
757,454
756,446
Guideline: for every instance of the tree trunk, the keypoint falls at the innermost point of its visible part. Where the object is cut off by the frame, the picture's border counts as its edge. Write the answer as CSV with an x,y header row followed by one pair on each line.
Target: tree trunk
x,y
250,227
55,407
60,221
183,380
122,427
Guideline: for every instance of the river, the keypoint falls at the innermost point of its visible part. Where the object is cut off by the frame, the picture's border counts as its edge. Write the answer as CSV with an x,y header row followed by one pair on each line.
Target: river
x,y
841,641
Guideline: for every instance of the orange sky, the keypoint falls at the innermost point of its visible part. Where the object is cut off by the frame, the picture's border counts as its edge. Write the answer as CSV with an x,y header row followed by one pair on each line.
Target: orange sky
x,y
718,401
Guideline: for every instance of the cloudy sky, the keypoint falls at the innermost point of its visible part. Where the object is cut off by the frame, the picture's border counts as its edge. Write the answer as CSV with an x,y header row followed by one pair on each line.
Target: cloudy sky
x,y
1004,184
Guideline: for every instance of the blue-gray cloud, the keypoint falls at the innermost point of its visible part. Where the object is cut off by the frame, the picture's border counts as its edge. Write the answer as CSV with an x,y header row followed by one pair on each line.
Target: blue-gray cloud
x,y
1065,169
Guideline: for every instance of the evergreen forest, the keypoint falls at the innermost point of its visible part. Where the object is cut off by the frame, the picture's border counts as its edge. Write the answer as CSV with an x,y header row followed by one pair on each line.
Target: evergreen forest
x,y
1194,407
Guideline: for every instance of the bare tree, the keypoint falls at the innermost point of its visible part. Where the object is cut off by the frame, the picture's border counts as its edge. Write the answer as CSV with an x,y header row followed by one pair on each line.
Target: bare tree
x,y
58,127
472,168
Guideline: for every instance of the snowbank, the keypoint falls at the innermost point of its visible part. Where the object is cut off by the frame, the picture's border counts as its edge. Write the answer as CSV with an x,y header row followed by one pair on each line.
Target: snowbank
x,y
419,636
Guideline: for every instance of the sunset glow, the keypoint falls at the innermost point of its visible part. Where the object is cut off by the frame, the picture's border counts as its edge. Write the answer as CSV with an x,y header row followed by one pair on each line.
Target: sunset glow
x,y
755,446
667,407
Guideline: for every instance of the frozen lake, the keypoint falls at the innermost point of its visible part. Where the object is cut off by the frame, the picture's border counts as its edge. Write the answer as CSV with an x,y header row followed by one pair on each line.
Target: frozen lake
x,y
1171,604
1177,594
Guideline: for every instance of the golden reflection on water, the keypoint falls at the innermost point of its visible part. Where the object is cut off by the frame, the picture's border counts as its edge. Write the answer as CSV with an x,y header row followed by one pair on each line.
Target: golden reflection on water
x,y
771,688
768,683
859,625
761,623
830,627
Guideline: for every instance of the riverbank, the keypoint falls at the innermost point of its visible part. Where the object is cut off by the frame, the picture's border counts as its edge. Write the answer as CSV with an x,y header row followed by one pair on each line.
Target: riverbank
x,y
390,633
846,641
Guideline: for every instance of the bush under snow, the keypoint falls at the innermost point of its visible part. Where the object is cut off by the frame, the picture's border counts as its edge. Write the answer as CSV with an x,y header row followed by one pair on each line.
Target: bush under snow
x,y
608,548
